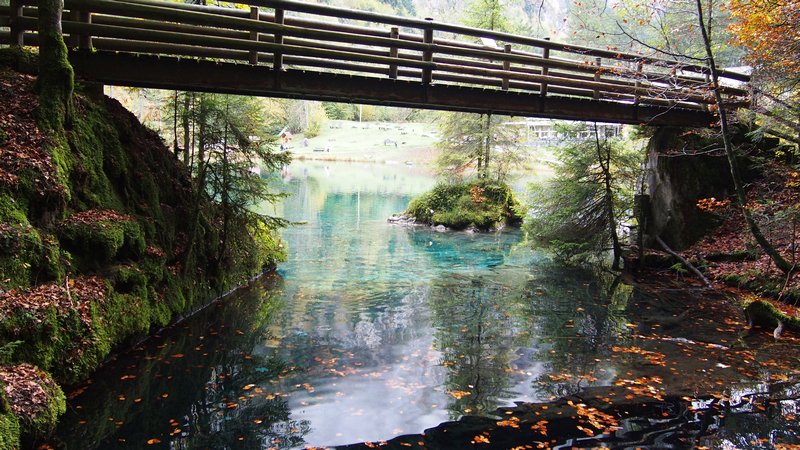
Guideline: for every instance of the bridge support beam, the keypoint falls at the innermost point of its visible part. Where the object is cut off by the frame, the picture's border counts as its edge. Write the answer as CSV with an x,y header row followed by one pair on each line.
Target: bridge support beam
x,y
245,79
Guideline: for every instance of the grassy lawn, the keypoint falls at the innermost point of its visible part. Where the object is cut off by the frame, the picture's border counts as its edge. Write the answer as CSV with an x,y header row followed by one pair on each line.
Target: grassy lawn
x,y
342,140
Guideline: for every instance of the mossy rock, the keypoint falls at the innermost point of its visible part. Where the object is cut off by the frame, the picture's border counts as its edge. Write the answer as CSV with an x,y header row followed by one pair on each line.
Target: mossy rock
x,y
764,314
96,244
42,402
481,205
21,59
45,421
26,256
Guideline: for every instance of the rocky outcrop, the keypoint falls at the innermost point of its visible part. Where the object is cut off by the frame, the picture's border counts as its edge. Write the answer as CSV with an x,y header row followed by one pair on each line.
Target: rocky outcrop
x,y
683,167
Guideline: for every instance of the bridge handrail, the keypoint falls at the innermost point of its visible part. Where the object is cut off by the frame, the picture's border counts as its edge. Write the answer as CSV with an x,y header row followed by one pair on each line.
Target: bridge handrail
x,y
158,27
332,11
337,12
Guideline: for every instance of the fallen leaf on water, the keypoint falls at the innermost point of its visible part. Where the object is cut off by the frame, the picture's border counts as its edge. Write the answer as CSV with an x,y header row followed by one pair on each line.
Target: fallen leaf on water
x,y
480,439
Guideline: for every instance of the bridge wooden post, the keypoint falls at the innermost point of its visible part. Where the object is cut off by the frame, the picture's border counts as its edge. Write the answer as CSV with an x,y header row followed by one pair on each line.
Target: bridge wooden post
x,y
394,34
545,69
597,62
74,40
506,67
277,58
637,83
85,41
427,54
17,31
254,35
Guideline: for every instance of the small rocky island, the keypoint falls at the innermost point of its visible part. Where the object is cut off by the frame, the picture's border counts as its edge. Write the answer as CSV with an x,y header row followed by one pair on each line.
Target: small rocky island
x,y
472,206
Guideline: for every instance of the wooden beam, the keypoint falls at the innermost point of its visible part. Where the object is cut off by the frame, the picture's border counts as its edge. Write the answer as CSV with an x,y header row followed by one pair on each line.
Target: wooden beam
x,y
244,79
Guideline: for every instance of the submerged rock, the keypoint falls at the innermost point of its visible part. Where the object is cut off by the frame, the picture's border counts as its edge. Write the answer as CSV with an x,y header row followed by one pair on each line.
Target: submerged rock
x,y
402,219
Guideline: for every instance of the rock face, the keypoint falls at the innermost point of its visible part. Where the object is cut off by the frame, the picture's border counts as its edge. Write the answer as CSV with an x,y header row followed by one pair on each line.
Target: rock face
x,y
676,182
683,167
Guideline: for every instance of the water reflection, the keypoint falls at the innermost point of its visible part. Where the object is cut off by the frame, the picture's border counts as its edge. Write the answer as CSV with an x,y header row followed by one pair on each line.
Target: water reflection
x,y
196,386
369,331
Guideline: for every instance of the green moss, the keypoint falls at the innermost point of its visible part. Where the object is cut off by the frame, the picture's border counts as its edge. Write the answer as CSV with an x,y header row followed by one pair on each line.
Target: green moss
x,y
482,205
96,244
19,58
9,431
56,78
764,314
26,256
107,160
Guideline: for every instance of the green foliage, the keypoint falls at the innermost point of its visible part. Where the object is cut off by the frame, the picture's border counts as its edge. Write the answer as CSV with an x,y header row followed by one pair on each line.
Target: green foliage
x,y
482,205
235,141
670,27
487,14
7,352
578,211
93,159
479,142
340,111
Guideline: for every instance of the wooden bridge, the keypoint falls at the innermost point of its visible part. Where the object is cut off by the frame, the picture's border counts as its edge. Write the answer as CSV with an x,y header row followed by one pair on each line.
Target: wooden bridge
x,y
284,48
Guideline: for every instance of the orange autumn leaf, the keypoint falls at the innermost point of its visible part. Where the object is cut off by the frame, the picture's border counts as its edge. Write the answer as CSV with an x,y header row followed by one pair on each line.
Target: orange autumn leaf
x,y
480,439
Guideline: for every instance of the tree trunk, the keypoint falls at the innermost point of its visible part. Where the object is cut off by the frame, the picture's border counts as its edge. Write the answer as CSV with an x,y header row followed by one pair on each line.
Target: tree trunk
x,y
175,124
56,78
226,213
604,159
488,140
187,132
780,262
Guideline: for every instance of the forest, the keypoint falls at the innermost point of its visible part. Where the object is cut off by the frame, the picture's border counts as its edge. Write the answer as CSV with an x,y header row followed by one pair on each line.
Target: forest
x,y
622,284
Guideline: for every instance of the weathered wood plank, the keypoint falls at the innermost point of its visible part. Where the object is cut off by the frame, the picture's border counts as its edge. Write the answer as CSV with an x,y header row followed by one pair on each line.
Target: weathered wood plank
x,y
170,73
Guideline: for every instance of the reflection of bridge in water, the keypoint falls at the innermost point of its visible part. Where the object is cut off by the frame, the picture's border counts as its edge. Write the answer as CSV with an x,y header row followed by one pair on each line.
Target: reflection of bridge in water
x,y
292,49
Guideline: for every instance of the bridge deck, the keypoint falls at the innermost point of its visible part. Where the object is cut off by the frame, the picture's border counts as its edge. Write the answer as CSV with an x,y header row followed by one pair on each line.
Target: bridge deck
x,y
286,48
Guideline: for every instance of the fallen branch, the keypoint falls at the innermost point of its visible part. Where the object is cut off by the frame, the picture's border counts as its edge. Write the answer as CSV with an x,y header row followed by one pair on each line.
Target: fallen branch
x,y
683,261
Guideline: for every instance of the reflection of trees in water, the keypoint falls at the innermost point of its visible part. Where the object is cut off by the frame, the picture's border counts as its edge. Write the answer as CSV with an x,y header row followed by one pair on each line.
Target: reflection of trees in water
x,y
477,325
371,336
188,387
577,318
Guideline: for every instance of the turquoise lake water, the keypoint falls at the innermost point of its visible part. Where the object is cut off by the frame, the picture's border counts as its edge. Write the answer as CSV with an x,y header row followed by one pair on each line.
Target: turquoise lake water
x,y
369,330
372,331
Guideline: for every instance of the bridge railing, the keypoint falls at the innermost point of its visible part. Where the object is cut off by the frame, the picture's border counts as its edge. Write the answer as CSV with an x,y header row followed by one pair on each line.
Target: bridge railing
x,y
286,34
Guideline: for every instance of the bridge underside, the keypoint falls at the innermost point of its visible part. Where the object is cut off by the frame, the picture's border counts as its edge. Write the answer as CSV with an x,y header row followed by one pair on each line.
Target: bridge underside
x,y
207,76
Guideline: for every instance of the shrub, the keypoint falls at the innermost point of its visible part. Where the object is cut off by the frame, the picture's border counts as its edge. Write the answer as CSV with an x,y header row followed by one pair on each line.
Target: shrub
x,y
480,204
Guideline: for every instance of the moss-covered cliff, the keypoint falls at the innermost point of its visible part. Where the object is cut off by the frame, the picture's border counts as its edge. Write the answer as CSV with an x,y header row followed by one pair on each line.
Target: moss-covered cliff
x,y
95,225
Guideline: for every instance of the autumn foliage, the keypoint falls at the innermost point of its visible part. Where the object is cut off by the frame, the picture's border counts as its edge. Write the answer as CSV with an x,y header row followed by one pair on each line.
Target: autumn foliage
x,y
770,30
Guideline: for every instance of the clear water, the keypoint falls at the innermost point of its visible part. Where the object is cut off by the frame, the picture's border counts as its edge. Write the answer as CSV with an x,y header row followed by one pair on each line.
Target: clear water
x,y
369,331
